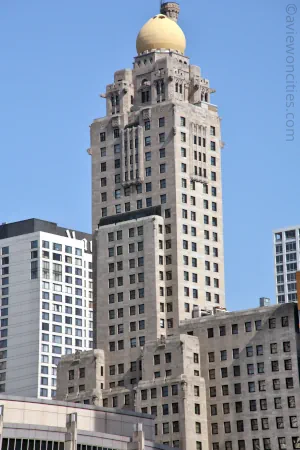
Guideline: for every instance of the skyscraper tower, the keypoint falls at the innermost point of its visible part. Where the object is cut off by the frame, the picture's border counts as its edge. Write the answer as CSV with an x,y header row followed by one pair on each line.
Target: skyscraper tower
x,y
158,147
157,221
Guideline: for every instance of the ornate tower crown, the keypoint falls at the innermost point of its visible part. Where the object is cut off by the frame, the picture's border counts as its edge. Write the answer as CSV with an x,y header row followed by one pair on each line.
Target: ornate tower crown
x,y
171,10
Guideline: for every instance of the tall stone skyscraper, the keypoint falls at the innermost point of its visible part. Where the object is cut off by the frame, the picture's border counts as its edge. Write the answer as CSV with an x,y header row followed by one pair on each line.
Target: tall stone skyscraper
x,y
157,222
163,344
157,192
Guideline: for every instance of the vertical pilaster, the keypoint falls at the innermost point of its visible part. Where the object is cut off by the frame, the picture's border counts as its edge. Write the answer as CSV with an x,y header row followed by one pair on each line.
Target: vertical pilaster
x,y
1,423
71,435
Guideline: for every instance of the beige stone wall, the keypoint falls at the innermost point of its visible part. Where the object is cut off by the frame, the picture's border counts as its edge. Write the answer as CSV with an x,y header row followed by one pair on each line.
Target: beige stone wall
x,y
81,377
177,397
254,355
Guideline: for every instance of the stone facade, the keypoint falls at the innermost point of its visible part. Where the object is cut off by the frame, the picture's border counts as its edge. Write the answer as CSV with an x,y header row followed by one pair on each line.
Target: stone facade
x,y
226,381
249,360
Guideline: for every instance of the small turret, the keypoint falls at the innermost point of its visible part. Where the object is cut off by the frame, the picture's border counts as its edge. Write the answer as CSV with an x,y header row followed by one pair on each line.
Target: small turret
x,y
171,10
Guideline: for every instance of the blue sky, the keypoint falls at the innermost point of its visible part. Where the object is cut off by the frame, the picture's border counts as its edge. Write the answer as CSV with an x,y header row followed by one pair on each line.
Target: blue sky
x,y
57,56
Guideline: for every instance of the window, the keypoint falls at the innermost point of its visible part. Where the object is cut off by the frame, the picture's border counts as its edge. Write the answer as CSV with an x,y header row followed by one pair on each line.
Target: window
x,y
222,330
223,355
248,327
227,429
273,348
276,384
236,371
213,391
254,424
260,367
262,385
214,428
263,404
291,402
296,442
225,389
288,364
277,403
256,444
210,332
240,426
161,122
238,388
249,351
258,325
235,353
162,168
211,357
165,409
164,391
212,374
252,405
235,329
282,443
161,137
265,423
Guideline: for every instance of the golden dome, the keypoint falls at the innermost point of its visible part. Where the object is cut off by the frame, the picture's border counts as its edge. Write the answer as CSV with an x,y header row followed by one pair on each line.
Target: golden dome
x,y
160,32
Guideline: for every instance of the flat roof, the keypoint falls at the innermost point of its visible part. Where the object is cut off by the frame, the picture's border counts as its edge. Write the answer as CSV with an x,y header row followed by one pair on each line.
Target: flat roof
x,y
244,312
123,412
9,230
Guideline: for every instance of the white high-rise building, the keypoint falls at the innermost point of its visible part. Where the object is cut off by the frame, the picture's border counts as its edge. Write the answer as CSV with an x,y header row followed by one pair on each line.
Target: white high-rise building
x,y
46,303
286,262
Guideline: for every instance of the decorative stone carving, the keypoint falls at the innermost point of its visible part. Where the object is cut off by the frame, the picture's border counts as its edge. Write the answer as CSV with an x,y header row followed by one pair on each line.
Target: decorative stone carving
x,y
147,114
171,10
115,121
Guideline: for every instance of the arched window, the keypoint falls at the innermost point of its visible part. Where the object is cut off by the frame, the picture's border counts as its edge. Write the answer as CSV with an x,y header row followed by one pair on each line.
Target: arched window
x,y
176,87
206,97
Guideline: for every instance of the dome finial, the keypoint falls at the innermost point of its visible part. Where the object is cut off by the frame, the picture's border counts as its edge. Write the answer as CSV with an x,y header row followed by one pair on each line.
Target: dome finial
x,y
170,9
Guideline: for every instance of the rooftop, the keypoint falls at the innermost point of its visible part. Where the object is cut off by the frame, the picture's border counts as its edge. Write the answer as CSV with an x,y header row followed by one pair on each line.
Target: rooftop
x,y
28,226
